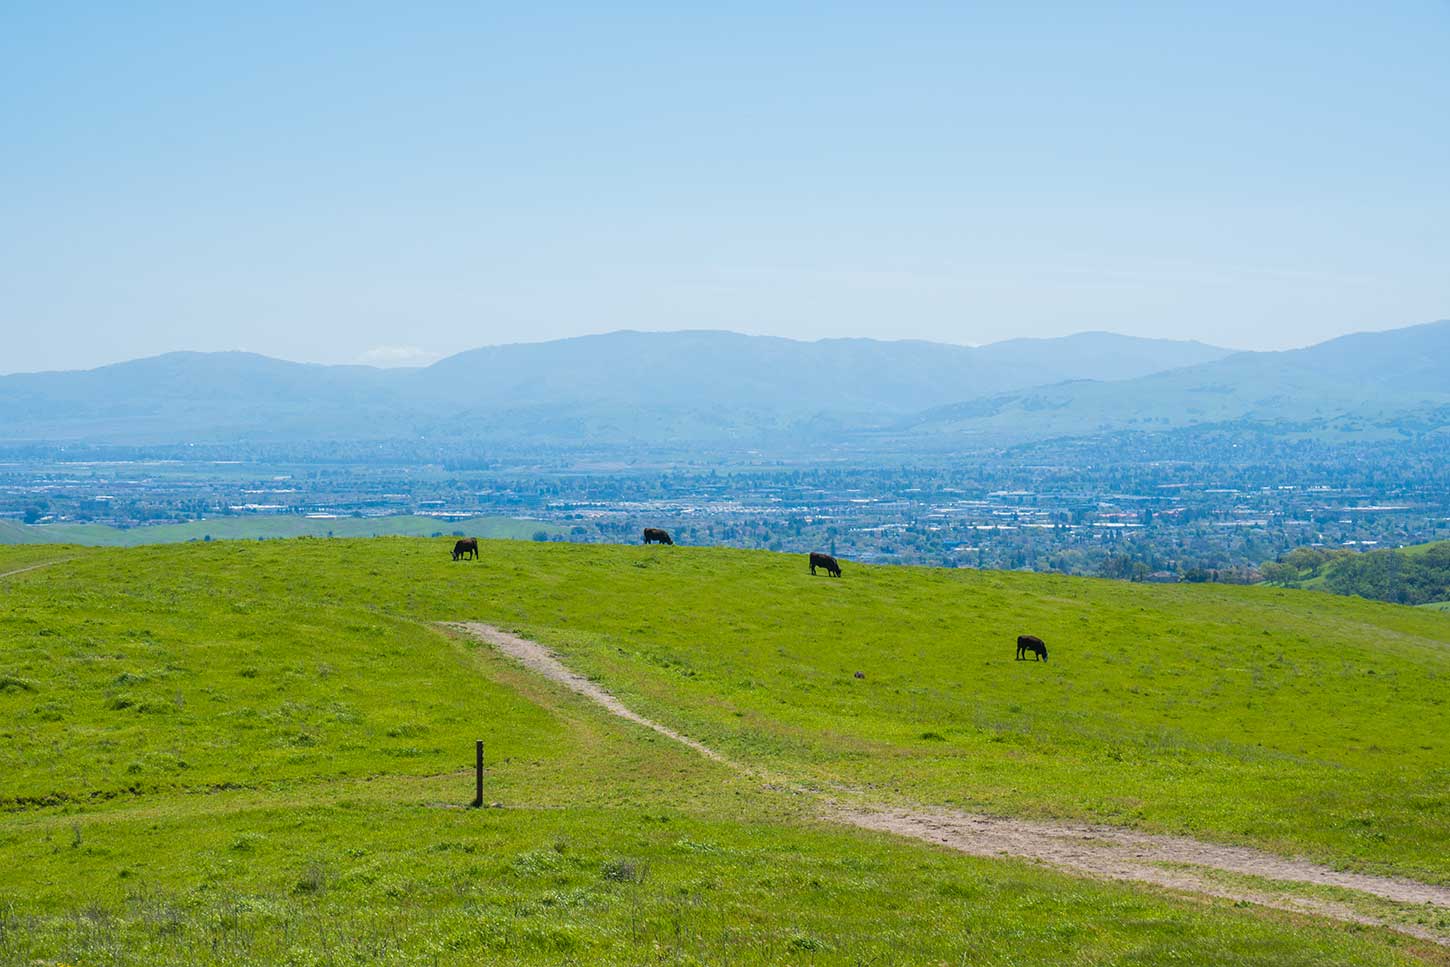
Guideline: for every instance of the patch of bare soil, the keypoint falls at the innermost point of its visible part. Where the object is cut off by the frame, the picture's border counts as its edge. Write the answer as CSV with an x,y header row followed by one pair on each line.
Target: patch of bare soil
x,y
1115,853
1104,852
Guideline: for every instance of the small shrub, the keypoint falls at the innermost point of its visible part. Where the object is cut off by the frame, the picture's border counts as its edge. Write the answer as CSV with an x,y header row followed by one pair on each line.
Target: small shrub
x,y
50,711
623,870
313,879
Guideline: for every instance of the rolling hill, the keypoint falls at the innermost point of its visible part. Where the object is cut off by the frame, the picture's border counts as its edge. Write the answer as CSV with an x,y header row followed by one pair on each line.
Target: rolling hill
x,y
682,389
621,386
257,752
1362,383
773,375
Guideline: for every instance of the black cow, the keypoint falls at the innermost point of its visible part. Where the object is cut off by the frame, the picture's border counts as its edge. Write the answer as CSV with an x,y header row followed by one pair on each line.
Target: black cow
x,y
653,535
826,561
468,545
1032,643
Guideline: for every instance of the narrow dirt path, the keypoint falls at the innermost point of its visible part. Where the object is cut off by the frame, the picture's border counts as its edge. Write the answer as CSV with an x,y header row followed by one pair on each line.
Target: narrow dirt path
x,y
1103,849
33,567
536,657
1177,863
1105,852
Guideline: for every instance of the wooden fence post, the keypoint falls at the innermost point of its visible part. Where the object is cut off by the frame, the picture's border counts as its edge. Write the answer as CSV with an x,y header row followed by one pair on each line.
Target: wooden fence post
x,y
478,774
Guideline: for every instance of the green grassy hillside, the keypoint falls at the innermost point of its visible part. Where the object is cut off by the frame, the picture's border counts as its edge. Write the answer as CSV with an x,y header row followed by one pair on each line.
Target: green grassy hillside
x,y
16,558
248,528
253,752
1285,719
1279,718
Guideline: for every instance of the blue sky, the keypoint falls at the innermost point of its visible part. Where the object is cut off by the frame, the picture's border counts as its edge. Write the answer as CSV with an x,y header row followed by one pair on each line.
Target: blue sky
x,y
360,182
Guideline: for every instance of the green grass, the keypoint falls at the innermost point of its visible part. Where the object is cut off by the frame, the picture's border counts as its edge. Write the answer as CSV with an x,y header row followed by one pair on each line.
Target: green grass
x,y
1433,919
251,527
1295,721
15,557
251,752
342,876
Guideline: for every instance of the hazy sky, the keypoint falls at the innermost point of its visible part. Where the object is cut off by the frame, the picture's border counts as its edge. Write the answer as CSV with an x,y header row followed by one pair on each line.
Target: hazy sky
x,y
333,184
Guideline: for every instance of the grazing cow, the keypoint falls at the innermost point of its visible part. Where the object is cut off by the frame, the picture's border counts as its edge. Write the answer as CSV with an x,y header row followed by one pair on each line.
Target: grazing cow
x,y
468,545
826,561
1032,643
653,535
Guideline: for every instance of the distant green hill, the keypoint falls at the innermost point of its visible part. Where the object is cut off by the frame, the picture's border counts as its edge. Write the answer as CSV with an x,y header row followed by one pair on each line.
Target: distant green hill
x,y
1415,575
248,528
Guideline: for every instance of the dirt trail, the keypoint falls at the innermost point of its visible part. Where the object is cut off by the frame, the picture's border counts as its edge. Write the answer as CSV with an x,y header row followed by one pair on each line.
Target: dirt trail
x,y
1107,852
536,657
1115,853
33,567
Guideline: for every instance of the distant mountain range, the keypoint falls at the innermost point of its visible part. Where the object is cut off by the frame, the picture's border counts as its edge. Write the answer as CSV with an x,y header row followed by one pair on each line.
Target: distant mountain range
x,y
683,388
1375,384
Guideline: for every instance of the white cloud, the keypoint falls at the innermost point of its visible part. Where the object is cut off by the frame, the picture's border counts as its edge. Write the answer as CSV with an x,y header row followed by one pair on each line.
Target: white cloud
x,y
389,356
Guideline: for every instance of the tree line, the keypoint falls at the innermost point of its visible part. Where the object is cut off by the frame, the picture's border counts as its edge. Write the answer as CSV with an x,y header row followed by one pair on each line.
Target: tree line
x,y
1418,576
